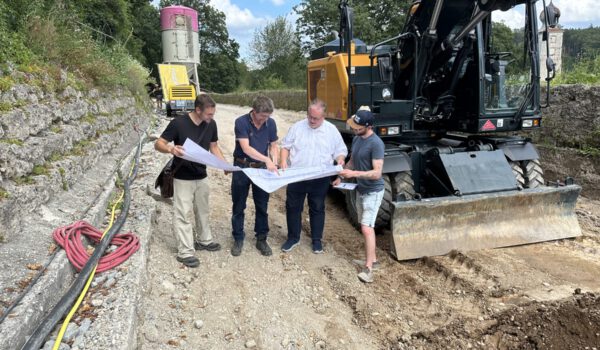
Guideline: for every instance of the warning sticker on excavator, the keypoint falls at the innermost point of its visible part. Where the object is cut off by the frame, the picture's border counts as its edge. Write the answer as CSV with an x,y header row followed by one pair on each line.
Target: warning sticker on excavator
x,y
488,126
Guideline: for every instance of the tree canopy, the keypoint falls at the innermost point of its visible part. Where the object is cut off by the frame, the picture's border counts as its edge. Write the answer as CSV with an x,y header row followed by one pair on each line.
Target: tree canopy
x,y
374,20
276,49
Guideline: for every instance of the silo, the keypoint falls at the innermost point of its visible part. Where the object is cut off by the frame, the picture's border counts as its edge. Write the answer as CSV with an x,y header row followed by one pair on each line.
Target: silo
x,y
179,27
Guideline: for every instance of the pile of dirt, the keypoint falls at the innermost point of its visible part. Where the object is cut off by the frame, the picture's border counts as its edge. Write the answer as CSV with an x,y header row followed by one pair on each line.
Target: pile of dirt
x,y
572,323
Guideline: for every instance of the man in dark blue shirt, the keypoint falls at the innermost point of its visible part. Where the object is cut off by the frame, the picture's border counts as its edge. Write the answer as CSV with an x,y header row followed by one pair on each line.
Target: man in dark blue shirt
x,y
255,147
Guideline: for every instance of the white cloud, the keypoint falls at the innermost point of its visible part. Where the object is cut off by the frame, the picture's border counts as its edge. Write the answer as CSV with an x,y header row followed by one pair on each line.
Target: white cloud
x,y
572,14
278,2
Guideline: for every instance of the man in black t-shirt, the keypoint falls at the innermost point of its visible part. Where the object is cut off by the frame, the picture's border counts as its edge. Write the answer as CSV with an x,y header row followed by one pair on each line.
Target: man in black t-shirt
x,y
190,186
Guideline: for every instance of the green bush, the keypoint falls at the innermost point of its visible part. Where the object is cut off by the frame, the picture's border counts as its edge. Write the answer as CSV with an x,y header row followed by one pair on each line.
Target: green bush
x,y
294,100
585,71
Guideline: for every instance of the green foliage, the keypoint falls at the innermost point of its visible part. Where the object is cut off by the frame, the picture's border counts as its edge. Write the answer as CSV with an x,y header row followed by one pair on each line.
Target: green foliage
x,y
41,169
4,194
63,178
590,151
584,71
88,118
6,83
79,148
580,44
374,20
12,141
24,180
55,157
276,49
5,106
294,100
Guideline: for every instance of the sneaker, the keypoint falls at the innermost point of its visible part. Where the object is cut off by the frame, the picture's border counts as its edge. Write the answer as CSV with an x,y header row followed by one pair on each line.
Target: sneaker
x,y
263,247
362,263
288,246
366,275
236,248
317,247
190,261
211,247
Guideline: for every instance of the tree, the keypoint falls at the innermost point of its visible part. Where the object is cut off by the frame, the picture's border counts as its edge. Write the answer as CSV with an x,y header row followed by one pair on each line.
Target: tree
x,y
218,70
145,43
276,49
374,20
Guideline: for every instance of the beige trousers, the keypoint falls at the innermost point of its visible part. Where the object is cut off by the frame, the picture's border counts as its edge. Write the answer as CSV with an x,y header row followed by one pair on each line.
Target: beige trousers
x,y
188,196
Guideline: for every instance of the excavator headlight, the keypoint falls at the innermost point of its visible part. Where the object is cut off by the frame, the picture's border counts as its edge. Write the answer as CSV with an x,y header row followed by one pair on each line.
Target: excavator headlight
x,y
386,94
527,123
393,130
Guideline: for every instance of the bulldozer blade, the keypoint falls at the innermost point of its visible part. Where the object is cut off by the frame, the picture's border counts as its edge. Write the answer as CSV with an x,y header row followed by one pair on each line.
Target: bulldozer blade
x,y
439,225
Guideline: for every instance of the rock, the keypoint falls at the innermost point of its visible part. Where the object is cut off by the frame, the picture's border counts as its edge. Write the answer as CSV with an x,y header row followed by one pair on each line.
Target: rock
x,y
285,342
70,332
250,344
96,302
198,324
168,286
320,344
84,326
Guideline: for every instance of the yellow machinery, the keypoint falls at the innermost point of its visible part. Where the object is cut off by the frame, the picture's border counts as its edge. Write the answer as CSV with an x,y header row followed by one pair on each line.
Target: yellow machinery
x,y
179,94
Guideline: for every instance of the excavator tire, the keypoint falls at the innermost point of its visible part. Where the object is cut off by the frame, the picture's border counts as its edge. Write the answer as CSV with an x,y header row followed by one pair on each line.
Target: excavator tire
x,y
533,173
518,172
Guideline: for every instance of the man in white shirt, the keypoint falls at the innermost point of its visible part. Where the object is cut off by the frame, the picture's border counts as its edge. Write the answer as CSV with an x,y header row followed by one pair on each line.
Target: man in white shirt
x,y
310,142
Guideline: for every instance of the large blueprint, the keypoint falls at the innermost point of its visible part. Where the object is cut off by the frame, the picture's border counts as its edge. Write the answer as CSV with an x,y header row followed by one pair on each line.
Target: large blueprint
x,y
262,178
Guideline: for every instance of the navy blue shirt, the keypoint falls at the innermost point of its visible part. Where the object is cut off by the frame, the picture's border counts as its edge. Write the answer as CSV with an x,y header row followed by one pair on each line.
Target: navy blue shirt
x,y
182,128
259,139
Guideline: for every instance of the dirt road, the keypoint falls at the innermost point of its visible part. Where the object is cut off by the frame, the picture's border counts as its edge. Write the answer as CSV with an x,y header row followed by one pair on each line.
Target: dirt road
x,y
531,297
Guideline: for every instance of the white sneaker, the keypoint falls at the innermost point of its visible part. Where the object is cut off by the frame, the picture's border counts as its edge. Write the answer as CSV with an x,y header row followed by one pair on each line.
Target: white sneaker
x,y
366,275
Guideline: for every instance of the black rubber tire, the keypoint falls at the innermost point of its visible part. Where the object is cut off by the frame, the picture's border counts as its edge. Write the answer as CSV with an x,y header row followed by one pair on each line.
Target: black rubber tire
x,y
533,173
517,170
396,184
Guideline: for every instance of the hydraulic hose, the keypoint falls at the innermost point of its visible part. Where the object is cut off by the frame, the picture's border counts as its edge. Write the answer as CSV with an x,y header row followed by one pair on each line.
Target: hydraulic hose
x,y
42,331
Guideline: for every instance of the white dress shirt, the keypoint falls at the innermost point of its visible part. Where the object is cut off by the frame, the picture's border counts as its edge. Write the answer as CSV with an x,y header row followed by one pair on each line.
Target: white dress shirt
x,y
313,147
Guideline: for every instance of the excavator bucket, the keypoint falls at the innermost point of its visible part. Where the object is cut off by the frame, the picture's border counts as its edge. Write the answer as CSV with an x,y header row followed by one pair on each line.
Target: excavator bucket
x,y
439,225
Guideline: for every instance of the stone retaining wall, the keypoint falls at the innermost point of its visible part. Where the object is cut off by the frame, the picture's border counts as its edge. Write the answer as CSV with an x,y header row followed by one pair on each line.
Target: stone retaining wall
x,y
47,140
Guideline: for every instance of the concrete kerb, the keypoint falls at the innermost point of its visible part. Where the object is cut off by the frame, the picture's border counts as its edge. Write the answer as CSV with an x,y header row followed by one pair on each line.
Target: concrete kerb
x,y
53,284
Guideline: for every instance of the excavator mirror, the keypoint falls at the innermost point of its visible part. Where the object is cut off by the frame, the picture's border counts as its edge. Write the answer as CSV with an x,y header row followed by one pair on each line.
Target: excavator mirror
x,y
385,69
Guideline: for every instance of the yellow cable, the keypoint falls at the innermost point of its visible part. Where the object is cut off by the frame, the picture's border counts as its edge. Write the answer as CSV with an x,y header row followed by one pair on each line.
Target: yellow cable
x,y
63,328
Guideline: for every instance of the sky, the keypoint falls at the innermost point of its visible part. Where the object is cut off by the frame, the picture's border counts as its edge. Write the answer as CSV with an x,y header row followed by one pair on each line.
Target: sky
x,y
244,17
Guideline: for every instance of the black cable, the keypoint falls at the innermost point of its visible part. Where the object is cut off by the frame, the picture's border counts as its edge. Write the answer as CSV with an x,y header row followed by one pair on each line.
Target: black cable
x,y
59,310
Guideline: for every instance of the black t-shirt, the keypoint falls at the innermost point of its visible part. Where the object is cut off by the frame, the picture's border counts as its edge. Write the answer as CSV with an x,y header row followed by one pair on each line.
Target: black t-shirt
x,y
182,128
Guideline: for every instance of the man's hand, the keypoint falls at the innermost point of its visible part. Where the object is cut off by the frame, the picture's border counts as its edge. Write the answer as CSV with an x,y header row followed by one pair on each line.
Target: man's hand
x,y
283,165
271,166
347,173
177,150
337,181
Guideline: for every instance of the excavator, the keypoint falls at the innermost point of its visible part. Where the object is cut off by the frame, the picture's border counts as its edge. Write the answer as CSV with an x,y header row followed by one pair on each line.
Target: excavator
x,y
454,109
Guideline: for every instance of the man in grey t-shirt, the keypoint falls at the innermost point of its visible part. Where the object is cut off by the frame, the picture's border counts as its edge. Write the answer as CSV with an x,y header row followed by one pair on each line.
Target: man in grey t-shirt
x,y
365,165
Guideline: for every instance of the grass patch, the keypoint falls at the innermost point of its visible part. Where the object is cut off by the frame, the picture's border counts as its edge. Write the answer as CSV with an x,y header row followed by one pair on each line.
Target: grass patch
x,y
24,180
5,106
55,157
4,194
88,118
12,142
590,151
63,178
56,129
42,169
79,148
6,83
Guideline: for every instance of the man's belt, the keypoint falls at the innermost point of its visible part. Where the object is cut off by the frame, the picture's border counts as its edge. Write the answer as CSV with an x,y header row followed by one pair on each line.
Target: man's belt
x,y
248,164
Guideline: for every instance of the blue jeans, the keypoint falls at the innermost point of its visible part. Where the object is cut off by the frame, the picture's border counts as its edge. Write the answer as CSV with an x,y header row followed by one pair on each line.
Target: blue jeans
x,y
240,185
316,191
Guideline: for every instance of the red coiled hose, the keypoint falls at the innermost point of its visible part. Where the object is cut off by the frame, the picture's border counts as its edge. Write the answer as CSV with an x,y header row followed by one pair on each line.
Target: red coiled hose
x,y
69,238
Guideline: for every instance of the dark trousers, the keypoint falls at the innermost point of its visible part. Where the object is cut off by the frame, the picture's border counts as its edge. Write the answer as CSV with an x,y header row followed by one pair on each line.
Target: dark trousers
x,y
315,191
240,185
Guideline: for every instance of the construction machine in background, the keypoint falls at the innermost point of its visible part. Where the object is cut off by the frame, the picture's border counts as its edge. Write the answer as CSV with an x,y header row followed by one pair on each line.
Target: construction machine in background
x,y
179,95
451,107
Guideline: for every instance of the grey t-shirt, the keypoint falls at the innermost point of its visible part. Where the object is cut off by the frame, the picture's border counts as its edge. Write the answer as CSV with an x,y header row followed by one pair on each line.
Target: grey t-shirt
x,y
363,153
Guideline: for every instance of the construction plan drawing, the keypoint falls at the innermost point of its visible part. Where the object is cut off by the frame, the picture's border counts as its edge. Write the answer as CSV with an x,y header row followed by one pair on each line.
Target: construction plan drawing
x,y
268,181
